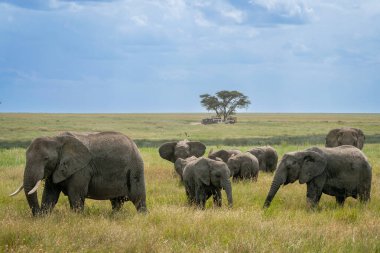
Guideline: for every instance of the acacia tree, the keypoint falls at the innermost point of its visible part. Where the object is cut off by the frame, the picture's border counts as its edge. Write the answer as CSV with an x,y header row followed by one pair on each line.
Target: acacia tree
x,y
225,103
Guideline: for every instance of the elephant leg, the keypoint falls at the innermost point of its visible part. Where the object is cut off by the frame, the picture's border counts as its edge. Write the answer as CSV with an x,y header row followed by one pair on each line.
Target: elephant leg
x,y
50,196
77,194
117,203
365,194
255,176
190,193
140,205
340,200
76,202
217,197
235,179
313,194
200,196
314,190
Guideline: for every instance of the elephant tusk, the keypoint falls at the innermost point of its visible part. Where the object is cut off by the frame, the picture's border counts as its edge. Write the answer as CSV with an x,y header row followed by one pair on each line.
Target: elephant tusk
x,y
17,191
35,188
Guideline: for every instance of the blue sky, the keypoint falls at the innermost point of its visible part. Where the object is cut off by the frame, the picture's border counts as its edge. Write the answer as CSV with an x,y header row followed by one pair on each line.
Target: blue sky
x,y
159,56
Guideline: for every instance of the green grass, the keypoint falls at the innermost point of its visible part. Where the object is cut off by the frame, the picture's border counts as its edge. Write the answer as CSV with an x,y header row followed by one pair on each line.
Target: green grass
x,y
171,225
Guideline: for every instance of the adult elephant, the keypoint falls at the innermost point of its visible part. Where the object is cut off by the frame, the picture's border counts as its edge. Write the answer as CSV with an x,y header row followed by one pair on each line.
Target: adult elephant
x,y
267,157
342,172
100,166
243,166
203,178
345,136
222,154
171,151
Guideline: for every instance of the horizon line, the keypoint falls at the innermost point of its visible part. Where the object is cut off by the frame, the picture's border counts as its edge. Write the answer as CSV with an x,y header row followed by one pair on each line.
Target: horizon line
x,y
187,113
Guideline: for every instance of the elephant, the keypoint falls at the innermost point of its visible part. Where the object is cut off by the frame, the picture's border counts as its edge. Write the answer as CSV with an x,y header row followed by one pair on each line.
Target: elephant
x,y
105,165
267,157
171,151
204,177
180,164
222,154
345,136
342,172
243,166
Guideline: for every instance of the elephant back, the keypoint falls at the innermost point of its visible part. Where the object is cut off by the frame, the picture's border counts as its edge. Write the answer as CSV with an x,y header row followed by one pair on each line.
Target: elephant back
x,y
267,157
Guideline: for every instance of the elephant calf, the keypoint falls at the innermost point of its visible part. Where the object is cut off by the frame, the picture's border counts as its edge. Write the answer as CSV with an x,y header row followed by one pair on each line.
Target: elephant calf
x,y
101,166
267,157
203,178
222,154
180,164
342,172
243,166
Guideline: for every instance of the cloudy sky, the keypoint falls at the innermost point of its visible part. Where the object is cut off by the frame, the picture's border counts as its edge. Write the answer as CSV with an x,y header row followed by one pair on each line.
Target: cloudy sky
x,y
159,56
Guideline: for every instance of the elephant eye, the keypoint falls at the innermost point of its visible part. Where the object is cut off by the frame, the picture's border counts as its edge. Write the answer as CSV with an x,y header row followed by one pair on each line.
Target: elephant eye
x,y
46,158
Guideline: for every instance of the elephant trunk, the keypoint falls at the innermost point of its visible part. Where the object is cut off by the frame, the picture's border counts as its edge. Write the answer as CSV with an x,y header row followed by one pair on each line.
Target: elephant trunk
x,y
278,180
32,179
227,187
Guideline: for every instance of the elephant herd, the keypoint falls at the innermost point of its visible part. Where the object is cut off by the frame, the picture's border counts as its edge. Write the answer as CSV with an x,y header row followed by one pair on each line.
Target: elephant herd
x,y
205,177
108,166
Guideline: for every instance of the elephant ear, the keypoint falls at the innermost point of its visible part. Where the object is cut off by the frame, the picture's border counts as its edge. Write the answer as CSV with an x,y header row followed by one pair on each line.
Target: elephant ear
x,y
313,165
361,138
74,156
332,138
224,155
166,151
179,165
197,148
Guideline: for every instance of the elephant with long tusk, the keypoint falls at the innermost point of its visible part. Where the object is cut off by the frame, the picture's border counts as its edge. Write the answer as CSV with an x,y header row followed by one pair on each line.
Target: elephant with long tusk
x,y
100,166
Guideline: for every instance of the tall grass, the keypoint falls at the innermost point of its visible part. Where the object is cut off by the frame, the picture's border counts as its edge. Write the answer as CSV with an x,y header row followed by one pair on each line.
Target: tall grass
x,y
171,225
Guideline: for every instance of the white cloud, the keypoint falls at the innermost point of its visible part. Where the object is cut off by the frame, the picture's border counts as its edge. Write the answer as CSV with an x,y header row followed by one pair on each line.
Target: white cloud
x,y
201,20
140,20
234,14
291,8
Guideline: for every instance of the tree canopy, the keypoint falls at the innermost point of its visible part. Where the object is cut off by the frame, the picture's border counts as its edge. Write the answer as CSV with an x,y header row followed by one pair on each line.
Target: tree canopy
x,y
225,103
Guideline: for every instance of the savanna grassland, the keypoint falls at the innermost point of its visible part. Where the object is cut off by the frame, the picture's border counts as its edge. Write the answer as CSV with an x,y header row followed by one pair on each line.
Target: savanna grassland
x,y
171,225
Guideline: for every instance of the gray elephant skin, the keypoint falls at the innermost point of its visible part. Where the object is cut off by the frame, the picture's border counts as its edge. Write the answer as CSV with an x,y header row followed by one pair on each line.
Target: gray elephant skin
x,y
180,164
203,178
171,151
342,172
345,136
267,157
222,154
243,166
101,166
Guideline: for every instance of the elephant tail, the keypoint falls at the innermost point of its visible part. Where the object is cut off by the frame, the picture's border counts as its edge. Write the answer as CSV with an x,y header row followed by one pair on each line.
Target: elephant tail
x,y
129,180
